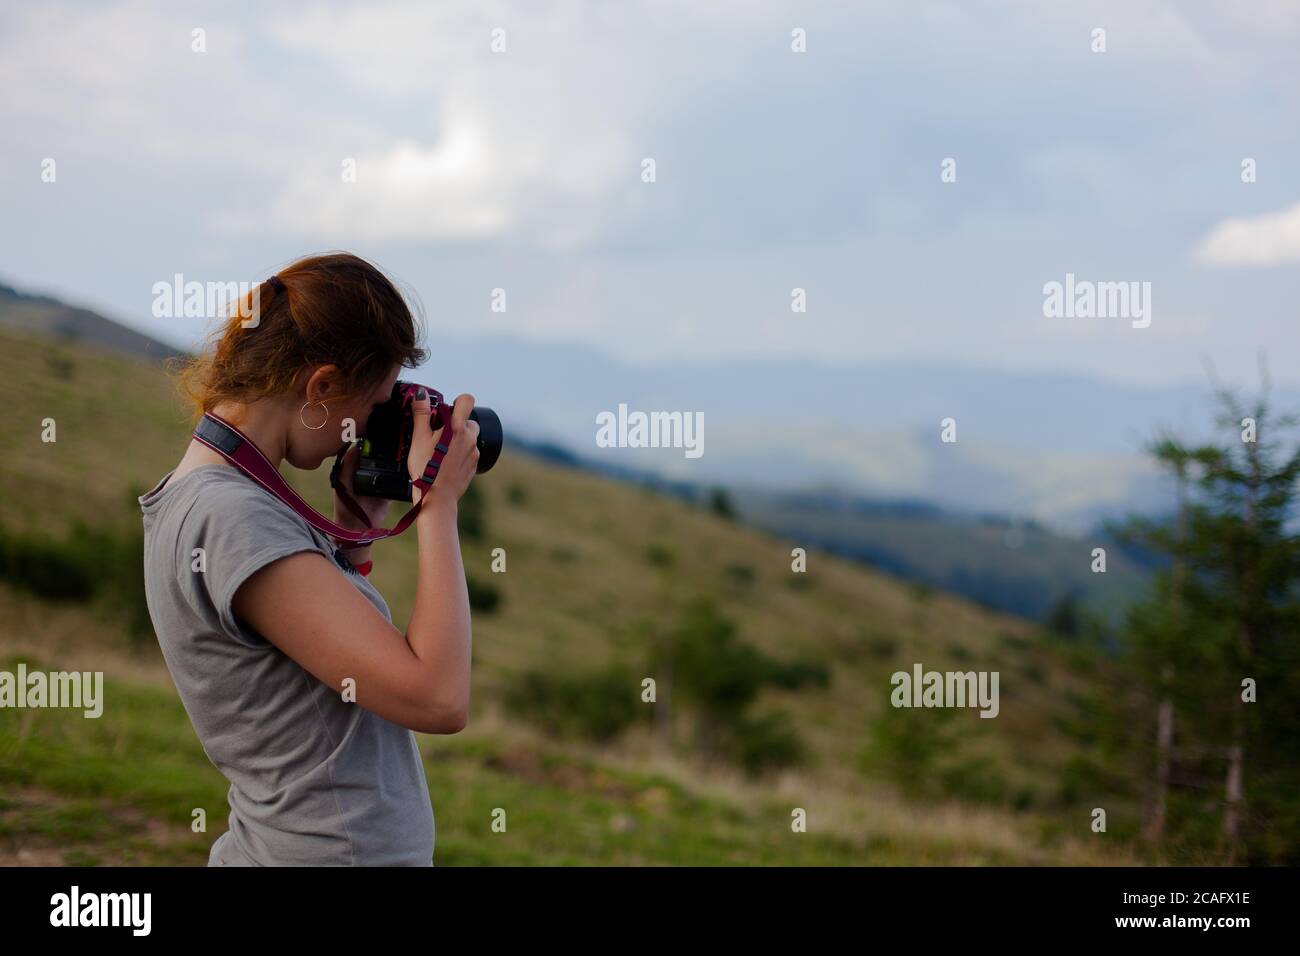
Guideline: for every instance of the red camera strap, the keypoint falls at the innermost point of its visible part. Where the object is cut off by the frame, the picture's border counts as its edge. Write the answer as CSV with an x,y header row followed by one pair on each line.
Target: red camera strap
x,y
238,449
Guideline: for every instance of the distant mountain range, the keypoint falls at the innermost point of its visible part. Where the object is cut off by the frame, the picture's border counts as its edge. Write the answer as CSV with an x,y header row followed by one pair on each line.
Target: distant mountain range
x,y
848,458
1013,565
1061,449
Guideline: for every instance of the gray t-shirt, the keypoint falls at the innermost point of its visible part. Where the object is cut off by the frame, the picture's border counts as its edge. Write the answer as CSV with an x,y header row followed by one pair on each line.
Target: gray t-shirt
x,y
314,780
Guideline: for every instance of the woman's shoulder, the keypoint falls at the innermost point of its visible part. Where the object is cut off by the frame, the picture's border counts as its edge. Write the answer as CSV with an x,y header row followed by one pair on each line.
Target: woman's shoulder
x,y
222,499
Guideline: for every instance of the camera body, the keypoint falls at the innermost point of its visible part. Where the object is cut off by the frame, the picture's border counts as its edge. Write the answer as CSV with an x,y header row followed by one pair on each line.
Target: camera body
x,y
381,472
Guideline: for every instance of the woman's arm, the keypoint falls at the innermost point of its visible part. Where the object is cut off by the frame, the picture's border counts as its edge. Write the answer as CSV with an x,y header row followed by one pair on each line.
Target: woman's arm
x,y
304,606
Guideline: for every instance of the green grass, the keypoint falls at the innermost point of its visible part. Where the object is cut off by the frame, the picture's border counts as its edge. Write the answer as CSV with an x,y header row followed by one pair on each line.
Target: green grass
x,y
597,572
559,810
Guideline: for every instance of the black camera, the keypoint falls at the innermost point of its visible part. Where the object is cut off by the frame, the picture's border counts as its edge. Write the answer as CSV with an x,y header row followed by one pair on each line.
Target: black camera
x,y
381,472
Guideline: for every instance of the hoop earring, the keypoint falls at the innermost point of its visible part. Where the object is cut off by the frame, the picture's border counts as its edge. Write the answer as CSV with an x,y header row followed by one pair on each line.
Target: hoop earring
x,y
313,427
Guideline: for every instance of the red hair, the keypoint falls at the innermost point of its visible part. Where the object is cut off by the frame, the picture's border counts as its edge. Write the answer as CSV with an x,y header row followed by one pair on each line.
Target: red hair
x,y
334,309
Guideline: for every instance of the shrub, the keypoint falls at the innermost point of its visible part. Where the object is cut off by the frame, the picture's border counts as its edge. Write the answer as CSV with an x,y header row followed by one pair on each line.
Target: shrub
x,y
797,673
976,779
908,743
768,742
55,570
472,513
720,676
483,596
1080,775
61,365
711,668
117,557
660,555
960,653
86,563
740,575
598,705
1014,641
882,646
1035,672
720,503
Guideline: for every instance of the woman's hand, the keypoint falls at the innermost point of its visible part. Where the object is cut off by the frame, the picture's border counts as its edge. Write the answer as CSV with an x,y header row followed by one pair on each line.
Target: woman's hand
x,y
461,461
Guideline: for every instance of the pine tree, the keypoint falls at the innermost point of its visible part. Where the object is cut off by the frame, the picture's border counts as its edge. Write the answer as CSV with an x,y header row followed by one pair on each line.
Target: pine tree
x,y
1224,611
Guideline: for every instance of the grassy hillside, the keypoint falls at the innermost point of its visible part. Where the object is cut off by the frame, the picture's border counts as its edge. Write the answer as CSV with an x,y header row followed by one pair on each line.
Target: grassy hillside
x,y
598,573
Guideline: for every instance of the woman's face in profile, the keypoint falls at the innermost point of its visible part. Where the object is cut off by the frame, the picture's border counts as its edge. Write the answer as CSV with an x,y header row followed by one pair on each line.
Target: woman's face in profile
x,y
309,447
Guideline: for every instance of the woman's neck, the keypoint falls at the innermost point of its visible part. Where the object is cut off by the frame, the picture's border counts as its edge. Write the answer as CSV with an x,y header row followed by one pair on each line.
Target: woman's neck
x,y
260,421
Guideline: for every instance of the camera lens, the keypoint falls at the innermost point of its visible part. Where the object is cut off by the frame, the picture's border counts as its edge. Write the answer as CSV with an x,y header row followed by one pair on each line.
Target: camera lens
x,y
490,437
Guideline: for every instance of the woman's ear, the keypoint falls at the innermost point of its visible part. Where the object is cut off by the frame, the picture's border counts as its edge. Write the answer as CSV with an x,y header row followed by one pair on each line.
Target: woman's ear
x,y
322,383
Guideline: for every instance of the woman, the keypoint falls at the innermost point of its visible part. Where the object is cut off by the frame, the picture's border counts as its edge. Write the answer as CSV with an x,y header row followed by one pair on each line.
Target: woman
x,y
300,688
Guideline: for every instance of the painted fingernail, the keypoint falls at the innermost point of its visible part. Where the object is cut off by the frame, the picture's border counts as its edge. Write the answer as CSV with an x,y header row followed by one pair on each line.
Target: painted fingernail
x,y
421,395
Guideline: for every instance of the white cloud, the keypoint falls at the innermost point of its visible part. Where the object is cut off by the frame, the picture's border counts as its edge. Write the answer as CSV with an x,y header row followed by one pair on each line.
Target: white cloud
x,y
474,182
404,191
1264,240
776,170
539,145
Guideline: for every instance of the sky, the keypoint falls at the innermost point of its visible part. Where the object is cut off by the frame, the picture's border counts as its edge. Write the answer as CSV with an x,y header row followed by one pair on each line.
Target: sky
x,y
504,146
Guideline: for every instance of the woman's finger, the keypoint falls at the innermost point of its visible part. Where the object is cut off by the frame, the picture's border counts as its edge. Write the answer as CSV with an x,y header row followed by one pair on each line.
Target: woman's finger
x,y
422,437
421,411
460,410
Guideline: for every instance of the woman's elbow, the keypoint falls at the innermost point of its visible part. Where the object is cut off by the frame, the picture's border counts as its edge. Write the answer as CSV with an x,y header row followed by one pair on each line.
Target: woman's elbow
x,y
453,722
441,717
430,706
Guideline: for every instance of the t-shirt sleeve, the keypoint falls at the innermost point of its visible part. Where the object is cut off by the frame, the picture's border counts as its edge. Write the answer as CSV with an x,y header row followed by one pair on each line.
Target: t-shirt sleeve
x,y
239,529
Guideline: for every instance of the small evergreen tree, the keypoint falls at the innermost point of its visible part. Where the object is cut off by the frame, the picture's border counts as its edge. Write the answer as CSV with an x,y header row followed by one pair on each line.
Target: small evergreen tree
x,y
1224,614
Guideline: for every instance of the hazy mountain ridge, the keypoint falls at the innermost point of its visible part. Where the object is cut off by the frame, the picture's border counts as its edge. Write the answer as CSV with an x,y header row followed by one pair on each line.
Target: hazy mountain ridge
x,y
1022,567
881,488
43,315
1060,448
1055,447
